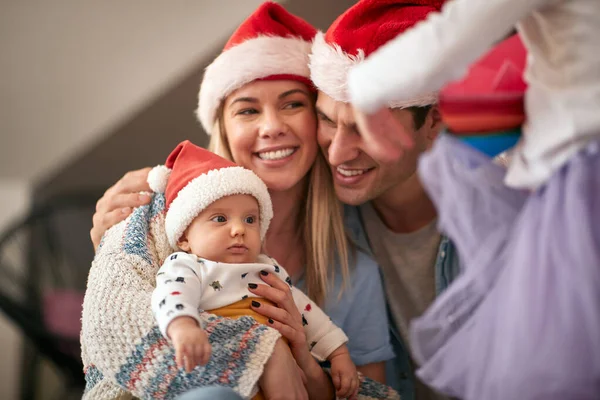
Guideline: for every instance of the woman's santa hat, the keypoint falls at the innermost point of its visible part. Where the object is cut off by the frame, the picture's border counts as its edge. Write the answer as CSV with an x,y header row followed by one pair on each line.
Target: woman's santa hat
x,y
357,33
271,44
193,178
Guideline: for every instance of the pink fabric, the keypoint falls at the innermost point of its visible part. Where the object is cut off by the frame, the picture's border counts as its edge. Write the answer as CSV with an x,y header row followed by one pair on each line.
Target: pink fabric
x,y
62,313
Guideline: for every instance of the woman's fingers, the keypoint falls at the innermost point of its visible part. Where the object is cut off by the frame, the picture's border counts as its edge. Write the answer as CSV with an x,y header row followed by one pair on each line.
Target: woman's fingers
x,y
118,201
275,313
122,200
133,181
276,290
274,281
282,321
104,221
286,331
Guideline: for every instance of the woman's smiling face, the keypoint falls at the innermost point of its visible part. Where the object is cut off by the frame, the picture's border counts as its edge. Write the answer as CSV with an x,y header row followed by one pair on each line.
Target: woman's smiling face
x,y
271,129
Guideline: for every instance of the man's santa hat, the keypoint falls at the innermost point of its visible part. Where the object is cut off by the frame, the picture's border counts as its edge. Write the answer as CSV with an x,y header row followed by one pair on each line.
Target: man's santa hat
x,y
271,44
357,33
193,178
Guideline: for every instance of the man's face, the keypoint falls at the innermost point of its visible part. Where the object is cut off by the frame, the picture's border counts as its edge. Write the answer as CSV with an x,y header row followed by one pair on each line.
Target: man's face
x,y
359,177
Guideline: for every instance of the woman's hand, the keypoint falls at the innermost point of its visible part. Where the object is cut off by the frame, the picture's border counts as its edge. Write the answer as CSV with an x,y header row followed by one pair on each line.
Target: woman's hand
x,y
118,201
282,378
287,320
285,317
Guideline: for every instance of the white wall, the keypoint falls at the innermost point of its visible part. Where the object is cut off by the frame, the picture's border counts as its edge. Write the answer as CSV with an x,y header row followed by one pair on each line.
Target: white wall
x,y
14,202
72,70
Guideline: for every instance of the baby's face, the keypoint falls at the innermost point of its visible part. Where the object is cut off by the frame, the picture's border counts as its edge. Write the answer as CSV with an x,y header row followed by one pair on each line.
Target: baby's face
x,y
226,231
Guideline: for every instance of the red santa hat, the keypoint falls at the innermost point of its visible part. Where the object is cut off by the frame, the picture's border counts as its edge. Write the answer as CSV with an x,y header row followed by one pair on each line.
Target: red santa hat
x,y
270,44
193,178
357,33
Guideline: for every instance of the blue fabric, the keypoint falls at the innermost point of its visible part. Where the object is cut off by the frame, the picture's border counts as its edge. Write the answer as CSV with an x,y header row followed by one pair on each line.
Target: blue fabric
x,y
210,393
361,311
399,371
492,144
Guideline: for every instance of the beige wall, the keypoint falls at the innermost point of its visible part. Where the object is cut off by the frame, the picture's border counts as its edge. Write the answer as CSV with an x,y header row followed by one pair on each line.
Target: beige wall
x,y
71,71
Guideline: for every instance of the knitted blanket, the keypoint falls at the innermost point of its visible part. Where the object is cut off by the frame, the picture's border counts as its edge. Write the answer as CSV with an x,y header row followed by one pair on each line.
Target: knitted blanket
x,y
124,354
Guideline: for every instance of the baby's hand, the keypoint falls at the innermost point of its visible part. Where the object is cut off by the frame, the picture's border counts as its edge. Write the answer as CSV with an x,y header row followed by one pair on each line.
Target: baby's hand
x,y
344,374
191,343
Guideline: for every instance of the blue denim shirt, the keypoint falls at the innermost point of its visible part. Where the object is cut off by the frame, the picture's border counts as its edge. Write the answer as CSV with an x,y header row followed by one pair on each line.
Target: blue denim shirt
x,y
399,372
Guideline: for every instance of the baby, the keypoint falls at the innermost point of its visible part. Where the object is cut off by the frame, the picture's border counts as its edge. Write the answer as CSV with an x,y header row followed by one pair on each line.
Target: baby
x,y
218,214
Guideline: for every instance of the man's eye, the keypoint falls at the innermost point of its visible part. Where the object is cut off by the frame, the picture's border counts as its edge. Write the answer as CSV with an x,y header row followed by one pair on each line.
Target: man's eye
x,y
250,220
294,104
219,218
247,111
325,119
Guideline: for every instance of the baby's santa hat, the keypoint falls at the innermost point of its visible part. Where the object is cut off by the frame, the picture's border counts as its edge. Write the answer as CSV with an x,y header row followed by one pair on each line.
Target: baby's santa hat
x,y
271,44
193,178
357,33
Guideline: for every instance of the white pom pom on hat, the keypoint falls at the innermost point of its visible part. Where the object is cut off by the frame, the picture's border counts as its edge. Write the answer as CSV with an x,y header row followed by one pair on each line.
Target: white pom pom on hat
x,y
158,178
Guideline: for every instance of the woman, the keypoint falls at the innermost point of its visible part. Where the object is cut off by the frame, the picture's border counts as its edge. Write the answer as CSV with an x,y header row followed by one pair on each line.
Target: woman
x,y
258,103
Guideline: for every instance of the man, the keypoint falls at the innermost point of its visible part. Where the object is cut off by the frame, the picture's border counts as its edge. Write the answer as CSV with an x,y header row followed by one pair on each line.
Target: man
x,y
388,213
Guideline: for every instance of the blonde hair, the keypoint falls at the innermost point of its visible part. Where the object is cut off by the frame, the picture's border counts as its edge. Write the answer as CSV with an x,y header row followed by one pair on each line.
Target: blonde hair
x,y
324,243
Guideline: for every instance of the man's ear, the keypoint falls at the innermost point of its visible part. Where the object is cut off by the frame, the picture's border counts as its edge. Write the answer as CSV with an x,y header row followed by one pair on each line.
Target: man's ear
x,y
434,122
183,242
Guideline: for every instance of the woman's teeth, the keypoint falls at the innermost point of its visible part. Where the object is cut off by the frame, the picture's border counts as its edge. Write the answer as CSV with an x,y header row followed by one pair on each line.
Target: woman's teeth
x,y
276,155
351,172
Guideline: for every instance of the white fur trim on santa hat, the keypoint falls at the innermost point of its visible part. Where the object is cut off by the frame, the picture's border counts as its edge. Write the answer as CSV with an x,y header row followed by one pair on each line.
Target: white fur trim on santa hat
x,y
210,187
254,59
329,68
158,178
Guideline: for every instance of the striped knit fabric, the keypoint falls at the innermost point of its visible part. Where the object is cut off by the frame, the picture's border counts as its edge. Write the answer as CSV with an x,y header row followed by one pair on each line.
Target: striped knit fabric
x,y
124,354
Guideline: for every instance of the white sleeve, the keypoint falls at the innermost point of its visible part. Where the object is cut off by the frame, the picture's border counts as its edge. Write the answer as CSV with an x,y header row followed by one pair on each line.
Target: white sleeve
x,y
178,290
322,335
434,52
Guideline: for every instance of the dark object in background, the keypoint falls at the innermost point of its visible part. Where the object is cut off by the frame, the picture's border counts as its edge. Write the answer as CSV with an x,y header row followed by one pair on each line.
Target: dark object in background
x,y
44,263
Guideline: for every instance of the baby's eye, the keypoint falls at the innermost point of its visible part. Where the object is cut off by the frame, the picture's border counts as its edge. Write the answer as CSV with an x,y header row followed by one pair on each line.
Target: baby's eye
x,y
250,219
219,218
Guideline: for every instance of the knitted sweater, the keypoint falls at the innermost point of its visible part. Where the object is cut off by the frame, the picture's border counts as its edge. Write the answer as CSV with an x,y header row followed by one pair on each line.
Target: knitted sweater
x,y
124,354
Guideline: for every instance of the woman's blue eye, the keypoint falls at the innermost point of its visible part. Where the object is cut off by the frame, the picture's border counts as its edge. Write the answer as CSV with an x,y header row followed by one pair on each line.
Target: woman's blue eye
x,y
250,220
219,218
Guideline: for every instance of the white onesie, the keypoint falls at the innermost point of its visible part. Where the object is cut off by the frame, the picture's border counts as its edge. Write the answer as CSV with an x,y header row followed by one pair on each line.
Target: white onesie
x,y
187,284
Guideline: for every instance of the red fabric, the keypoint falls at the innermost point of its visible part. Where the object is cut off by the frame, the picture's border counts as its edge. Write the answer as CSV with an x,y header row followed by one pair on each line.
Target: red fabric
x,y
369,24
187,162
491,96
498,72
271,19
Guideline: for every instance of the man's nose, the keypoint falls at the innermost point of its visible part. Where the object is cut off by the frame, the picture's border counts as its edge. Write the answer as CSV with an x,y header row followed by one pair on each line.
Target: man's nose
x,y
342,148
